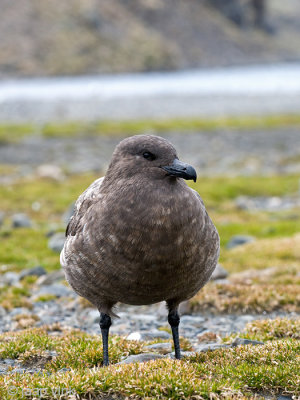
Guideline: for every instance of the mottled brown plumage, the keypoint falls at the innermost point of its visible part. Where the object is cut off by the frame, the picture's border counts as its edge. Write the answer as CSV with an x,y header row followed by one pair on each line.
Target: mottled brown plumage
x,y
140,235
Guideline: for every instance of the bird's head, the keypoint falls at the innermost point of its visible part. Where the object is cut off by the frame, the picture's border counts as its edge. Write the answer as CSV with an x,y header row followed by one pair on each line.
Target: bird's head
x,y
148,154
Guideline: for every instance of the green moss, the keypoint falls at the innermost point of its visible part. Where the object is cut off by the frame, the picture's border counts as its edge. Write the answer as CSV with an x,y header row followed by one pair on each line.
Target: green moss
x,y
26,248
46,297
54,197
14,132
218,190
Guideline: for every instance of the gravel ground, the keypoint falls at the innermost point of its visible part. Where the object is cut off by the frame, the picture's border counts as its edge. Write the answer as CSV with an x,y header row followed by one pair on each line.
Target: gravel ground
x,y
168,106
229,151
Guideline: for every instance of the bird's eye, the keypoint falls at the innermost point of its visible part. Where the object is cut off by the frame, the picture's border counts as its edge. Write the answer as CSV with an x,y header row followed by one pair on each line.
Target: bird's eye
x,y
149,156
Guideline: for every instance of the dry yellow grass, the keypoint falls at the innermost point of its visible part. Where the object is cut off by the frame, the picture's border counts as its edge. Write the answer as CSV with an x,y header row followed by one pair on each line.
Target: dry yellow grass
x,y
244,298
264,253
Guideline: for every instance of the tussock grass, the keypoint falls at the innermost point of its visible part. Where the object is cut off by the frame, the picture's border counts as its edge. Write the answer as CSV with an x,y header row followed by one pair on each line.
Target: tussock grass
x,y
278,328
245,298
235,373
282,253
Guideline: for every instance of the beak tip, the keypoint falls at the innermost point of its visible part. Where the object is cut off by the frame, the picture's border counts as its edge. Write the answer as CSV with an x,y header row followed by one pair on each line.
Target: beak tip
x,y
181,170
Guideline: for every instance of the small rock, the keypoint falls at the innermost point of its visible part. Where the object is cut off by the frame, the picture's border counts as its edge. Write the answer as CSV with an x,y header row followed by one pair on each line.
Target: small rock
x,y
18,311
134,336
144,318
140,358
18,371
68,214
219,273
56,289
246,318
161,348
185,308
9,361
50,171
148,335
184,354
194,320
239,240
243,342
10,278
51,278
35,271
155,335
188,330
36,206
44,373
207,337
2,312
64,370
210,347
2,215
56,242
93,316
21,221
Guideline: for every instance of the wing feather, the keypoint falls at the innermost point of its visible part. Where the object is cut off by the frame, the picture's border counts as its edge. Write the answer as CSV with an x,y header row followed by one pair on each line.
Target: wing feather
x,y
84,201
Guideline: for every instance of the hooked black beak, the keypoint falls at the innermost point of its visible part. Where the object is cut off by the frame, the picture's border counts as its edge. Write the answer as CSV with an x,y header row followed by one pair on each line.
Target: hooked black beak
x,y
181,170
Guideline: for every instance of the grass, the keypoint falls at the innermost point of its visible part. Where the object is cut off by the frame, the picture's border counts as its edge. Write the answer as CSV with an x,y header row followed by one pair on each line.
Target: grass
x,y
237,373
246,298
13,133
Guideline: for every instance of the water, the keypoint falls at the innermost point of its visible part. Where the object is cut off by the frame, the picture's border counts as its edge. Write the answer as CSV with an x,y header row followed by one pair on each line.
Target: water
x,y
251,89
270,79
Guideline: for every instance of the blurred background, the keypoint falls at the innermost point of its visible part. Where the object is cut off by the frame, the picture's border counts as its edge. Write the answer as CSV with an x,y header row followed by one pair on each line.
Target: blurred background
x,y
220,79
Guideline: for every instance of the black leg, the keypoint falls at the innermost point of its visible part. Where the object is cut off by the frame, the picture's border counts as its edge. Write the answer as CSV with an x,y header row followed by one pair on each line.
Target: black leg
x,y
173,319
105,323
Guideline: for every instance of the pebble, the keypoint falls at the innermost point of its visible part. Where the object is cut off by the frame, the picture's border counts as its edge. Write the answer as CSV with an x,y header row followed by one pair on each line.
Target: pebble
x,y
2,312
10,278
239,240
219,273
35,271
267,203
155,334
203,348
57,241
21,220
56,289
51,278
68,214
18,311
241,341
194,319
134,336
140,358
93,316
63,370
2,216
161,348
50,171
